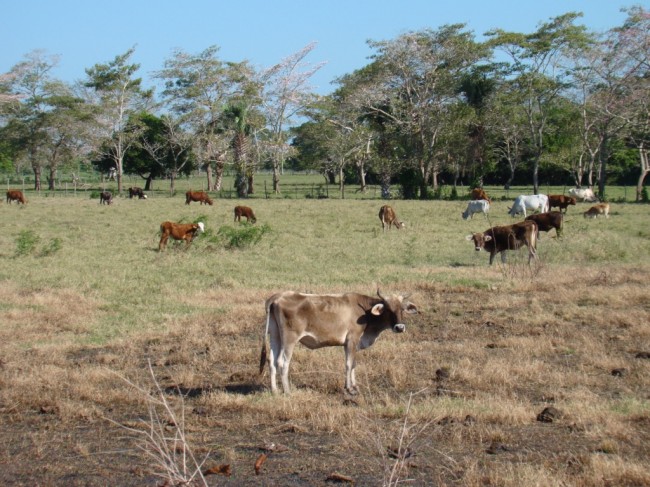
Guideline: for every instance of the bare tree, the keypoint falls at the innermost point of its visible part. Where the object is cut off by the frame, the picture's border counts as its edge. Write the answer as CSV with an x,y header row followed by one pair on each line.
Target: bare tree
x,y
285,95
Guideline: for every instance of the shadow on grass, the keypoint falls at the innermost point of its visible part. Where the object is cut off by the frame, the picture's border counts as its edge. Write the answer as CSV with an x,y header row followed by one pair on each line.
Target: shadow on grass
x,y
243,389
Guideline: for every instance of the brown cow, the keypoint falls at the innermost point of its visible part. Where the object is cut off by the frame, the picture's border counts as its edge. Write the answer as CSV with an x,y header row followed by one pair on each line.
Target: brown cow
x,y
597,210
560,201
497,240
479,194
388,218
105,198
350,320
179,231
246,212
139,192
547,221
200,196
16,195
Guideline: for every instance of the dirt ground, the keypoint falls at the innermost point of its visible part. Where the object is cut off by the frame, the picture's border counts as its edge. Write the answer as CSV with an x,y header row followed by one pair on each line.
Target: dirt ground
x,y
58,431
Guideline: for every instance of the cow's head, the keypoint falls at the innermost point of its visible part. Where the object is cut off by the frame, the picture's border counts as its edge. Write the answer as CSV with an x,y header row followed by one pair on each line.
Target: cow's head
x,y
479,240
392,309
201,226
571,200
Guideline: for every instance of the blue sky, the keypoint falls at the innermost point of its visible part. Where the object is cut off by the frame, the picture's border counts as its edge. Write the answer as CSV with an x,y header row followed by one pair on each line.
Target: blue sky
x,y
84,32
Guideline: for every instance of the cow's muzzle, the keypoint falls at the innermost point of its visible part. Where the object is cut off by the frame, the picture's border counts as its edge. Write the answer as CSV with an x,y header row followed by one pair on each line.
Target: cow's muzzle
x,y
399,328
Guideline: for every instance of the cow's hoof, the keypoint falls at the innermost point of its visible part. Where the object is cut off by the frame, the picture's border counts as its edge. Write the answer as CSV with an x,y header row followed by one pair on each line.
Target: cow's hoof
x,y
353,391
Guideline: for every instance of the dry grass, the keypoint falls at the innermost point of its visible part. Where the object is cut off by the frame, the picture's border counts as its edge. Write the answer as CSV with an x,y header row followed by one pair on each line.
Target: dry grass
x,y
512,340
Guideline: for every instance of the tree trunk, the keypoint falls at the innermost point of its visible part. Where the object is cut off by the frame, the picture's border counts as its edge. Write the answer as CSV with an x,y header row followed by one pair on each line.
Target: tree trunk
x,y
536,175
251,179
219,165
602,170
147,182
51,184
37,176
276,177
208,174
362,177
385,185
645,170
341,182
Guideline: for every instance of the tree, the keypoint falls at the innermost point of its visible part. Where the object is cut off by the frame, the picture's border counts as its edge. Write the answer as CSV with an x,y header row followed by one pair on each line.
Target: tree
x,y
198,88
120,97
285,94
28,102
537,74
417,76
171,148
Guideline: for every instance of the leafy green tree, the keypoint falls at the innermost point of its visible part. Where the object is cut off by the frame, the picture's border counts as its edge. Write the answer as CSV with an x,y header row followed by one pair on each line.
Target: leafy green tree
x,y
120,96
198,89
536,73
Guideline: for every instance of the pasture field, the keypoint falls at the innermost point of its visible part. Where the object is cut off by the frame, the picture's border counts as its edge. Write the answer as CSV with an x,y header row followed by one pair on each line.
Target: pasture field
x,y
105,343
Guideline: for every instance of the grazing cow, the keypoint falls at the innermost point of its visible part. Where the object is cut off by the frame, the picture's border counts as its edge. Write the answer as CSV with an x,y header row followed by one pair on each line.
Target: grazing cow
x,y
547,221
200,196
476,206
479,194
560,201
135,191
583,194
350,320
16,195
497,240
388,218
246,212
596,210
105,198
535,202
179,231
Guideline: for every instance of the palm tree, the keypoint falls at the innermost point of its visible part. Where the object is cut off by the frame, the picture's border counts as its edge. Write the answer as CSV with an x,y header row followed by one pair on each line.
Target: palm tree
x,y
236,116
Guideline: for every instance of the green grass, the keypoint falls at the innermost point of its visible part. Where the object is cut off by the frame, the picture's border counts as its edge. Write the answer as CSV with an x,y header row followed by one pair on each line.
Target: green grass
x,y
109,253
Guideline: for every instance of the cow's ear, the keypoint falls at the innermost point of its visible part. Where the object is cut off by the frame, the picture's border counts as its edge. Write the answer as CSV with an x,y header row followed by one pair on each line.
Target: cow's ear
x,y
377,309
411,309
487,238
469,237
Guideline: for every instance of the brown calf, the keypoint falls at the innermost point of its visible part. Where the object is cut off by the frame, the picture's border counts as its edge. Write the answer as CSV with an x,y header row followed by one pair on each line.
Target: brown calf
x,y
479,194
246,212
547,221
200,196
388,217
135,191
179,231
15,195
560,201
105,198
597,210
497,240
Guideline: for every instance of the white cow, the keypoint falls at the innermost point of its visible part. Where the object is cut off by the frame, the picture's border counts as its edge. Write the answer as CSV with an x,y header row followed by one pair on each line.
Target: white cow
x,y
583,194
534,202
476,206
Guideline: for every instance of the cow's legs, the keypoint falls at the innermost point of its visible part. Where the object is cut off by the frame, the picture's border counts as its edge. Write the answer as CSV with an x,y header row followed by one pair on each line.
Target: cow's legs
x,y
350,379
274,354
284,359
163,241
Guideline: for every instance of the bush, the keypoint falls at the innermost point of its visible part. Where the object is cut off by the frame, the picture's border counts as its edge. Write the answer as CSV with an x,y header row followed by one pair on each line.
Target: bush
x,y
26,242
244,236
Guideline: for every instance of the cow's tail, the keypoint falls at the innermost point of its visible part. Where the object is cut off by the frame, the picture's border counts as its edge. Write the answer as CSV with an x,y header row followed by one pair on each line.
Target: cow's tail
x,y
265,346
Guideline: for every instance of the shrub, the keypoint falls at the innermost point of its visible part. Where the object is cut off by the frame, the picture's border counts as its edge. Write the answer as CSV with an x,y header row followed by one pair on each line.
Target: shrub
x,y
26,242
244,236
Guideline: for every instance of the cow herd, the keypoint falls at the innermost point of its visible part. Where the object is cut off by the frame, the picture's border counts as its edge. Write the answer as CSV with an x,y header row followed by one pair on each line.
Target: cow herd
x,y
498,239
355,321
